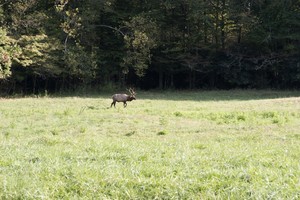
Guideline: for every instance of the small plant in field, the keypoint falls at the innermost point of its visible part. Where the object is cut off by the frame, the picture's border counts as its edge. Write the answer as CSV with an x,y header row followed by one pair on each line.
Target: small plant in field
x,y
163,132
130,133
269,114
6,133
280,120
67,112
54,132
178,114
163,121
12,125
241,118
82,130
199,146
34,160
276,117
275,121
294,136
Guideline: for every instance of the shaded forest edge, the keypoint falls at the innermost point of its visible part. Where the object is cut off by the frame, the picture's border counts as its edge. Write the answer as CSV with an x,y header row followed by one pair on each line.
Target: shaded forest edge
x,y
69,46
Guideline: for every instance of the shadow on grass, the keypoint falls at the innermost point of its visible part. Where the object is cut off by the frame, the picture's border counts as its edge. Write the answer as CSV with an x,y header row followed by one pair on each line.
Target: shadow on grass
x,y
197,95
179,95
220,95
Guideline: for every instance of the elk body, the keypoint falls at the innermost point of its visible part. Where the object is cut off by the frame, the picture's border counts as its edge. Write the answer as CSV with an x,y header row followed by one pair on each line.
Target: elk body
x,y
123,98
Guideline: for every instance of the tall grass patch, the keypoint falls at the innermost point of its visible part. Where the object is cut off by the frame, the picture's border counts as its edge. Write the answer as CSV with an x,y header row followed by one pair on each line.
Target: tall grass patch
x,y
173,145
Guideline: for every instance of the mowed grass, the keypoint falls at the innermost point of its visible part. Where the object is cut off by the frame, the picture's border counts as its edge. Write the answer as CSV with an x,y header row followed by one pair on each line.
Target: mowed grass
x,y
165,145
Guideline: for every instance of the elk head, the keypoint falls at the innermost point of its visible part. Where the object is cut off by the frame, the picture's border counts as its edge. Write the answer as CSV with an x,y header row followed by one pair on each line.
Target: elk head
x,y
132,94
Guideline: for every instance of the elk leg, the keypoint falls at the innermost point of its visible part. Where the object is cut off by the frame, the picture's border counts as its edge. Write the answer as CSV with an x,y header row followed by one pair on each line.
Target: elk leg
x,y
113,103
125,104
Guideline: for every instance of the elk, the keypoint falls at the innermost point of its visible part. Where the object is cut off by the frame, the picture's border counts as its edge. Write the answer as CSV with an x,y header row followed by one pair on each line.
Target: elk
x,y
123,98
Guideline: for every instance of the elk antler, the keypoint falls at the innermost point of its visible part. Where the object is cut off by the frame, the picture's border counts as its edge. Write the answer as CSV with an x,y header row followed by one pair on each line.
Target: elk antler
x,y
131,91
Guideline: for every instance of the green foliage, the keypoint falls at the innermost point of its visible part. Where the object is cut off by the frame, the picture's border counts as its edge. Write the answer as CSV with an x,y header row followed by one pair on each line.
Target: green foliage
x,y
41,54
9,51
72,20
139,44
207,44
80,63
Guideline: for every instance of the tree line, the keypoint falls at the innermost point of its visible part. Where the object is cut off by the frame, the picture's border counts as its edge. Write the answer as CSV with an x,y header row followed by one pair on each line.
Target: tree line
x,y
59,45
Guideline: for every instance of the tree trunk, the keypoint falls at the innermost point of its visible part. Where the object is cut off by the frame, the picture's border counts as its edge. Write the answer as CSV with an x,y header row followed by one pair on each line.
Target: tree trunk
x,y
34,84
223,24
160,79
205,27
191,79
172,80
239,35
217,26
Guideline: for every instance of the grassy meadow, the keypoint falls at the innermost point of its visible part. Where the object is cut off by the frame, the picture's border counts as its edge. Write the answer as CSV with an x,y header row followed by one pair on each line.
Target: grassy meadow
x,y
164,145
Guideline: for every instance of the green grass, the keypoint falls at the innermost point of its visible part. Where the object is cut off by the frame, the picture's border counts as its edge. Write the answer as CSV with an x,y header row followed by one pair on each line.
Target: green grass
x,y
171,145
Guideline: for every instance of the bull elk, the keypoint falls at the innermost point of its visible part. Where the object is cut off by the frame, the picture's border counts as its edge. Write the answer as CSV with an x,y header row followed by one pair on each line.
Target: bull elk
x,y
123,98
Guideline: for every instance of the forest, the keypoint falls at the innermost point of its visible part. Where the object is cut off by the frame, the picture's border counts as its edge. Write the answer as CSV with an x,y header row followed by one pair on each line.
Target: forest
x,y
66,45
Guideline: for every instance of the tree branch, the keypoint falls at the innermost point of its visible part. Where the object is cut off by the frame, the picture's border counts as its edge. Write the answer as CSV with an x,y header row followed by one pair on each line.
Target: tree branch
x,y
113,28
66,40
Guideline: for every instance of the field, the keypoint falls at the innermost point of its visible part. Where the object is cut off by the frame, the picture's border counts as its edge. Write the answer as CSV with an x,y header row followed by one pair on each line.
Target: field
x,y
164,145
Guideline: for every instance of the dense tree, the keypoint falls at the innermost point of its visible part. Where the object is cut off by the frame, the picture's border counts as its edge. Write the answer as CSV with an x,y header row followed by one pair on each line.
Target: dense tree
x,y
8,51
65,44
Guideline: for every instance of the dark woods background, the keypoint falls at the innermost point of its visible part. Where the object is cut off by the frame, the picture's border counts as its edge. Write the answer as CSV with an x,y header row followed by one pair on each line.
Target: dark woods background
x,y
65,45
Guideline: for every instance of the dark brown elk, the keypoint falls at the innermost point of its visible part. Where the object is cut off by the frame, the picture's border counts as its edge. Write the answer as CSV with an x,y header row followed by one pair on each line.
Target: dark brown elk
x,y
123,98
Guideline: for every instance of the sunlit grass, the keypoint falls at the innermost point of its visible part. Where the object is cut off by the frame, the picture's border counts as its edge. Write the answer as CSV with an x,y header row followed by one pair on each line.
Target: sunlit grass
x,y
172,145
